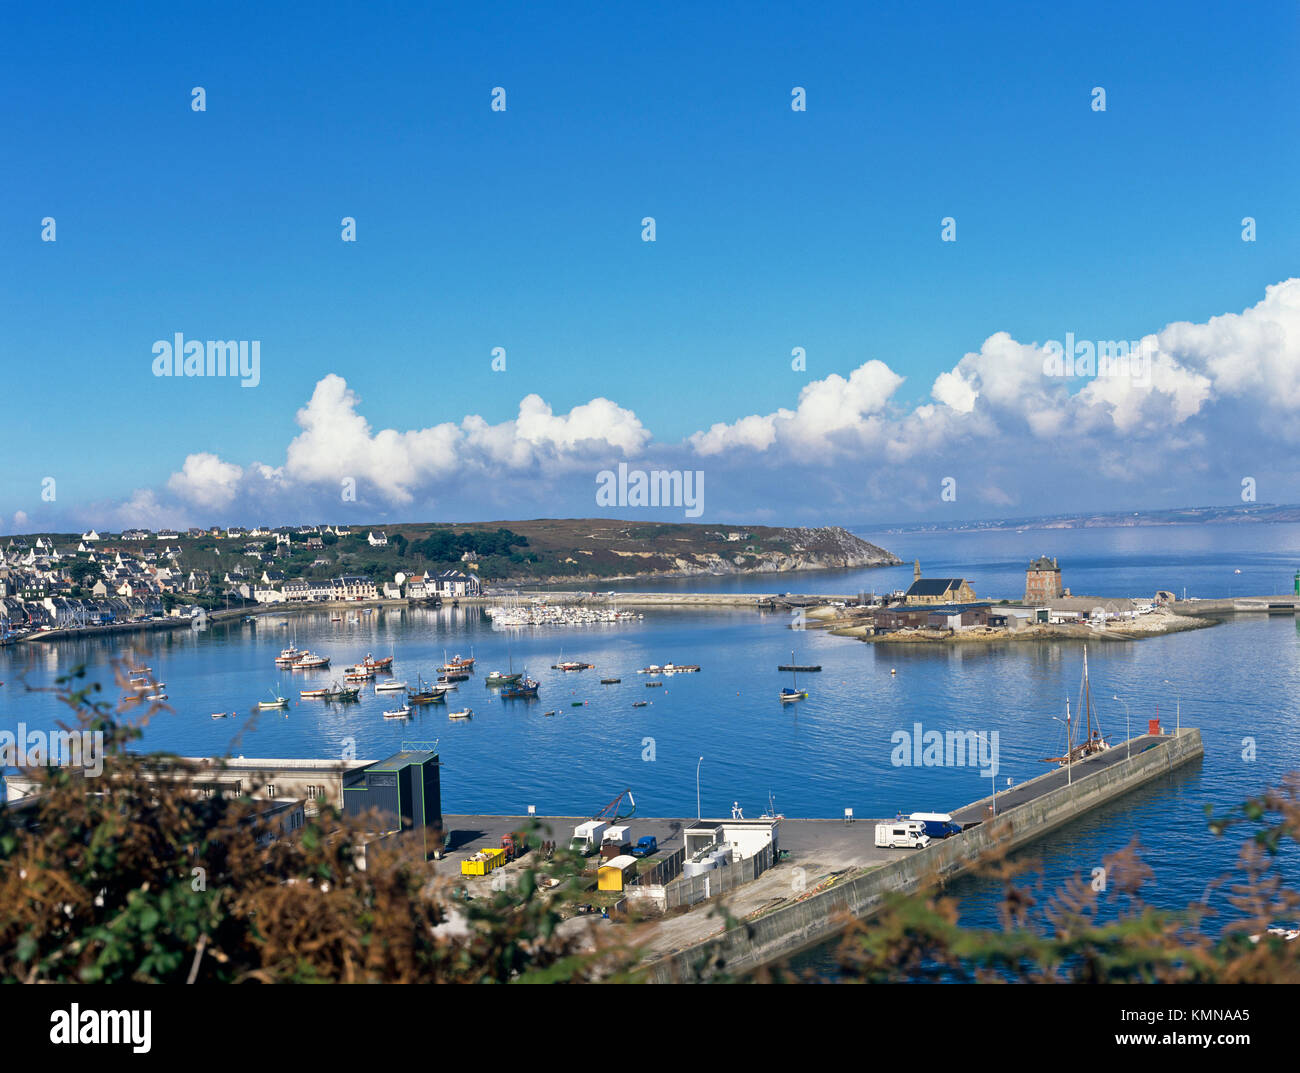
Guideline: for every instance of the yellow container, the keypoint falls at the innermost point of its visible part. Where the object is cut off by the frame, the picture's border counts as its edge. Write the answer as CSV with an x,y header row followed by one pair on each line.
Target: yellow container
x,y
483,862
615,874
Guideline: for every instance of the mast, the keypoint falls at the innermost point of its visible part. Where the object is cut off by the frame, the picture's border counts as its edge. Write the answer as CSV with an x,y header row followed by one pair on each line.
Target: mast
x,y
1087,697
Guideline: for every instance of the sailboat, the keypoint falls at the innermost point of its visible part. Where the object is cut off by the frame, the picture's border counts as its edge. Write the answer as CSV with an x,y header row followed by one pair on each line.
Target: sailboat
x,y
1093,741
792,691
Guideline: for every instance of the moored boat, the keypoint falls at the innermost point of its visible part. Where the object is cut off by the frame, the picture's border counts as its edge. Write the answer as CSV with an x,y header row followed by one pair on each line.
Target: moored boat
x,y
424,692
464,713
404,712
523,689
792,691
309,662
390,687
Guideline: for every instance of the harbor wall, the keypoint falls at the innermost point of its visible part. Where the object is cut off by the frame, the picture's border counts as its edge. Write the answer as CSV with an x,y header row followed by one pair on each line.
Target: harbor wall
x,y
795,927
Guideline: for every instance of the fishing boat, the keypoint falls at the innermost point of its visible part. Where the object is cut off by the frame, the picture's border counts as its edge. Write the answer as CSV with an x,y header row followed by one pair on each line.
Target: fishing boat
x,y
521,690
357,674
314,694
1093,741
452,679
344,693
289,656
310,662
464,713
404,712
274,702
377,664
390,687
456,663
424,693
792,691
141,670
503,678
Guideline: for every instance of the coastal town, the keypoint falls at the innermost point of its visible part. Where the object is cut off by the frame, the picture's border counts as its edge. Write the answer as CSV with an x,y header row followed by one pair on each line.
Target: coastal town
x,y
98,579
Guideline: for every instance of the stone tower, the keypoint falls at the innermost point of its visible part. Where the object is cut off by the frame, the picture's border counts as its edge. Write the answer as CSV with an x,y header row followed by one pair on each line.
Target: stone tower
x,y
1043,581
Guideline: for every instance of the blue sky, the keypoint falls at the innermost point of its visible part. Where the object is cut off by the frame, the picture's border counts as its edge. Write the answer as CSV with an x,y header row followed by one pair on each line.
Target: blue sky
x,y
522,229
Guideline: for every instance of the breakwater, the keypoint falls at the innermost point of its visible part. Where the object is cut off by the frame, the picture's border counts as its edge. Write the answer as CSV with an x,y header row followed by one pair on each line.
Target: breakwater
x,y
789,929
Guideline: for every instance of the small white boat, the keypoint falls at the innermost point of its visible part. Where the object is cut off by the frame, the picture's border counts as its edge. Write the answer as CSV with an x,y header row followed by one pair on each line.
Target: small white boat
x,y
390,687
403,712
464,713
276,701
218,715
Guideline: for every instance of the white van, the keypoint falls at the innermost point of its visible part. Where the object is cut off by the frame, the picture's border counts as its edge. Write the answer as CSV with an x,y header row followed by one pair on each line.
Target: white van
x,y
902,834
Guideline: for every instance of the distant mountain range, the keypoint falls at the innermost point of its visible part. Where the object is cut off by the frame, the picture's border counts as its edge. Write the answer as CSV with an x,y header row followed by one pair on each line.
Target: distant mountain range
x,y
1251,513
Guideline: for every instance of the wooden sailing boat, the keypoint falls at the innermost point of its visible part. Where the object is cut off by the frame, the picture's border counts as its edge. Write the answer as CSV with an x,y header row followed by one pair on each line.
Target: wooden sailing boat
x,y
1093,742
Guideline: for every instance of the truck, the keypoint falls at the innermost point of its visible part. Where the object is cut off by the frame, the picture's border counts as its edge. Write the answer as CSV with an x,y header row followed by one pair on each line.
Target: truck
x,y
645,846
588,836
937,824
902,834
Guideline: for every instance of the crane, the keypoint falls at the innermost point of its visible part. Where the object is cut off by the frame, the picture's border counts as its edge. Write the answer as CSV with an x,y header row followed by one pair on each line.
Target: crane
x,y
610,812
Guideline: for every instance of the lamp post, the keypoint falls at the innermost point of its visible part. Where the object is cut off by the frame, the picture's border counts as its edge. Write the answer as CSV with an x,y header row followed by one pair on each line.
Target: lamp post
x,y
697,789
1069,749
1178,717
993,774
1127,736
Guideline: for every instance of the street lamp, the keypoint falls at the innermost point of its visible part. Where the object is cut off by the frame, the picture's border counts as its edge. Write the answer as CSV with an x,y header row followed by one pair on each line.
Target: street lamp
x,y
1069,749
697,789
1127,736
1178,718
993,774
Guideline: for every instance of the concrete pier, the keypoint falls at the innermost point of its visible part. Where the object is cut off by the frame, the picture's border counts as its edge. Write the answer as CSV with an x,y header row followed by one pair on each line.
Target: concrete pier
x,y
1023,814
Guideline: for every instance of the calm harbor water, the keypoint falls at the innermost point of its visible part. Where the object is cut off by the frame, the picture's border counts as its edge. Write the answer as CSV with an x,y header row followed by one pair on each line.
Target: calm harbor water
x,y
830,752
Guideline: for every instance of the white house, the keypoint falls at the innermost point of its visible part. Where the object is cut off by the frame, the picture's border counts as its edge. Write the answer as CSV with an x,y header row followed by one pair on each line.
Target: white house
x,y
377,540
